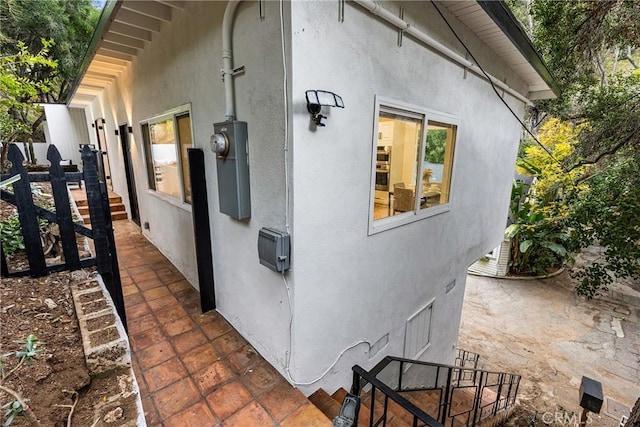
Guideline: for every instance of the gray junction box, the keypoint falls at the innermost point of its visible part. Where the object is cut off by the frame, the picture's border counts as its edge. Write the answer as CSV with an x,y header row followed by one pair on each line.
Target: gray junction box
x,y
274,249
233,170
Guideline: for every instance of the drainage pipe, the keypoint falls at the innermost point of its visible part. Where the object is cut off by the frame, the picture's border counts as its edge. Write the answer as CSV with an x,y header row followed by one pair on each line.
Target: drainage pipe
x,y
227,59
378,10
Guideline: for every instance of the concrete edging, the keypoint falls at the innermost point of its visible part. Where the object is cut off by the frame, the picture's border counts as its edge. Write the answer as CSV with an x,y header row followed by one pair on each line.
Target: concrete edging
x,y
94,306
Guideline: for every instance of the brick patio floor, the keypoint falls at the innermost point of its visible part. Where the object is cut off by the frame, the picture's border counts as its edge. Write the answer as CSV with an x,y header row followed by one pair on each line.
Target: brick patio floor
x,y
194,369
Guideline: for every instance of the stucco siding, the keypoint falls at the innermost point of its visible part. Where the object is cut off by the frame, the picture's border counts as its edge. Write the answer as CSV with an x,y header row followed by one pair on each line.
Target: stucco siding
x,y
351,286
182,66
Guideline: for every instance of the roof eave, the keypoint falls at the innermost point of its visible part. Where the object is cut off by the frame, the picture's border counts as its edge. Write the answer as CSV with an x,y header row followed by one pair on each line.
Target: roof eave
x,y
507,22
108,12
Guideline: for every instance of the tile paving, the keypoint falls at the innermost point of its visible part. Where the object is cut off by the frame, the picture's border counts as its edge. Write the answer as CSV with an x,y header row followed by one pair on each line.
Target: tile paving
x,y
194,369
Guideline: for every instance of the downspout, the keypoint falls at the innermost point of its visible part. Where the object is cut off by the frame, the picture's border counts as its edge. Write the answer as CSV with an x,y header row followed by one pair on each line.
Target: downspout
x,y
227,59
377,10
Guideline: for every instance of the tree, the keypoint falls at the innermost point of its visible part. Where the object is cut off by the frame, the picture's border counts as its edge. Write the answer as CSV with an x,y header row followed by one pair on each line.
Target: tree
x,y
591,48
24,24
20,92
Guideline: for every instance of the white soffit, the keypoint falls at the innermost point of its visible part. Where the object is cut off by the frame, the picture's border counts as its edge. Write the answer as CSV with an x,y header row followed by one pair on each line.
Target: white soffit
x,y
128,30
472,15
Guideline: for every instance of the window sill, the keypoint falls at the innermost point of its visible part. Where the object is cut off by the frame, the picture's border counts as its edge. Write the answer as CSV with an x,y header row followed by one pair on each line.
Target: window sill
x,y
389,223
171,200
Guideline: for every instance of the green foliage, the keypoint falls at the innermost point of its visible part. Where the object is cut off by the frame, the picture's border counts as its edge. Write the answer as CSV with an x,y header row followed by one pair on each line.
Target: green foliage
x,y
30,350
11,411
436,145
592,49
537,240
19,92
608,214
69,23
11,234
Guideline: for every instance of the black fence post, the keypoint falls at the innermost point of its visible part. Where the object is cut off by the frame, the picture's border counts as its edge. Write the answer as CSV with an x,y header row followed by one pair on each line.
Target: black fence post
x,y
4,270
202,229
63,209
27,214
101,226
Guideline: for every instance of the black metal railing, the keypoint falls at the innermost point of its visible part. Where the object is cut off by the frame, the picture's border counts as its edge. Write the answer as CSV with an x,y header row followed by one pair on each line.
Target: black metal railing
x,y
447,395
380,416
467,359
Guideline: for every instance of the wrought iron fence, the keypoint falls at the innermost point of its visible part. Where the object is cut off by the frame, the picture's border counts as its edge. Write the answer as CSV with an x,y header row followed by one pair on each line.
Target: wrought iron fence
x,y
437,394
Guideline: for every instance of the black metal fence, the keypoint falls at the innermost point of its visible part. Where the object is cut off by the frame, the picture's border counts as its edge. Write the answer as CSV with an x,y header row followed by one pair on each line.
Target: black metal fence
x,y
433,394
101,231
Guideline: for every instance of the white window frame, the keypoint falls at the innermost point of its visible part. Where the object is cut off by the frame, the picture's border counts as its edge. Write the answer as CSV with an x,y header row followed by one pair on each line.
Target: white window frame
x,y
426,115
172,113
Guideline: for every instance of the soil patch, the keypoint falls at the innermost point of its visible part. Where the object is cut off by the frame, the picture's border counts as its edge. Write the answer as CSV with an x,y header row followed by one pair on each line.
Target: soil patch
x,y
58,373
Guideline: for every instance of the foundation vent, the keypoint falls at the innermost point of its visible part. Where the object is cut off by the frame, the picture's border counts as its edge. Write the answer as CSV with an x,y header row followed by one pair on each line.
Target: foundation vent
x,y
417,337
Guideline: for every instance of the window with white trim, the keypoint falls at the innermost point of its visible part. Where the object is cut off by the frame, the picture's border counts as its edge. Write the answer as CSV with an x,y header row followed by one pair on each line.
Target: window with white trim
x,y
412,163
166,139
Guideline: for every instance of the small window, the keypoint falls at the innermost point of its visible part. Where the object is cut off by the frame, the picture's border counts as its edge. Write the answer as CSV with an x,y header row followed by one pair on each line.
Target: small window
x,y
166,139
413,163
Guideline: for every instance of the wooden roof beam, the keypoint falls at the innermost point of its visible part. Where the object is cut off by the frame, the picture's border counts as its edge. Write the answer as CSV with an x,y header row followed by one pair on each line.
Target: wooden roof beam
x,y
152,9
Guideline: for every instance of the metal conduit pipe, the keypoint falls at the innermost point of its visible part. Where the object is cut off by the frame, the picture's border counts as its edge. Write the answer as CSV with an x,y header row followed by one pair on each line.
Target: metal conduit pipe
x,y
378,10
227,59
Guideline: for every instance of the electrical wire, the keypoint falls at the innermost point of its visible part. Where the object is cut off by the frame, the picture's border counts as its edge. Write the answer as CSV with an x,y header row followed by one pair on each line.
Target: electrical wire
x,y
288,363
526,128
287,214
286,119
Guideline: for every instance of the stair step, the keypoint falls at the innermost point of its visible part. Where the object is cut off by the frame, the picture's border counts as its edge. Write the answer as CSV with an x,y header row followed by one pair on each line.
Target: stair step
x,y
325,403
113,200
114,207
115,216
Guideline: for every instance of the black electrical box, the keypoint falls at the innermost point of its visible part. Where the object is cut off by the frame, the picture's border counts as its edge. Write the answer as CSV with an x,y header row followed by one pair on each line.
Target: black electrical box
x,y
591,395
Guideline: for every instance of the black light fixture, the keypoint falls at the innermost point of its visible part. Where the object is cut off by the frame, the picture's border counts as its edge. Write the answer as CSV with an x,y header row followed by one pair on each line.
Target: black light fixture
x,y
129,129
117,133
316,99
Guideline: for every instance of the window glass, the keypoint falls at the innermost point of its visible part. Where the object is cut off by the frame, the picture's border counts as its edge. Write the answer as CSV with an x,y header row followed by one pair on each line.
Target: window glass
x,y
437,164
396,163
184,137
166,140
413,165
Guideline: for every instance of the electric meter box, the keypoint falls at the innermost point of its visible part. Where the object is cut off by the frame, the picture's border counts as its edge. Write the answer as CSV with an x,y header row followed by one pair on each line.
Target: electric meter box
x,y
591,395
274,249
233,170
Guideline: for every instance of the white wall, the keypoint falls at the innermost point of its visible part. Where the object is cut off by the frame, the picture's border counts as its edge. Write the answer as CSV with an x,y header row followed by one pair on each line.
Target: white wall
x,y
66,129
349,286
181,65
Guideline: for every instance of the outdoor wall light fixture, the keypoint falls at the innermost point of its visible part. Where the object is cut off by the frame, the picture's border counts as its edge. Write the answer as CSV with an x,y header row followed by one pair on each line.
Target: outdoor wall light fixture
x,y
129,129
316,99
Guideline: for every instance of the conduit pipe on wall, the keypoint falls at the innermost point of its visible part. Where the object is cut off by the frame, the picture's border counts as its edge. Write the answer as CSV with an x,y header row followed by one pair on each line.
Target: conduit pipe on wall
x,y
227,59
378,10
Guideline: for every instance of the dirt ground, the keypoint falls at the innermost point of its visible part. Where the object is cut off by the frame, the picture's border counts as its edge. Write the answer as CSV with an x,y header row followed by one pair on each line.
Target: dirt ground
x,y
543,331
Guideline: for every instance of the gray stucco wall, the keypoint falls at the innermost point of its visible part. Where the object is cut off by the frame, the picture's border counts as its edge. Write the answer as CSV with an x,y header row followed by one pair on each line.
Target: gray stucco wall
x,y
350,286
182,65
347,286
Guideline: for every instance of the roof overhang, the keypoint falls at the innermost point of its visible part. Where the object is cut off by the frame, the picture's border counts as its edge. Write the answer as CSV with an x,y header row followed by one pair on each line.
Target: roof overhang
x,y
123,30
498,28
126,27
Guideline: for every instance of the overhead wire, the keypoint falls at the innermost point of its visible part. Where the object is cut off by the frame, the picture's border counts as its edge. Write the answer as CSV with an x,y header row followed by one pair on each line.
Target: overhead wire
x,y
525,127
